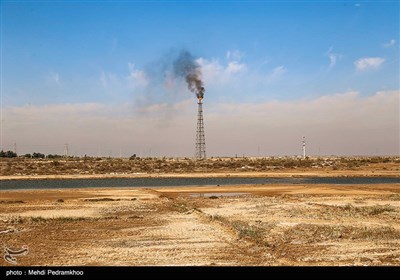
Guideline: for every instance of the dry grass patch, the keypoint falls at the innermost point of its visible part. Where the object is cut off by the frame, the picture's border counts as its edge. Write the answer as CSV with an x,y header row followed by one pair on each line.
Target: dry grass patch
x,y
312,233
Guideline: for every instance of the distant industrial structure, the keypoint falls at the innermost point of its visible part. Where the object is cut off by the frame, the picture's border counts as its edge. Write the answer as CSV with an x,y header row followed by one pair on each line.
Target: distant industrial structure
x,y
304,147
66,150
200,137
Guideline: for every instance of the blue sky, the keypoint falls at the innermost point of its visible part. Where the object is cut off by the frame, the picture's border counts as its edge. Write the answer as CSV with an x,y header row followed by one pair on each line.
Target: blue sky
x,y
251,52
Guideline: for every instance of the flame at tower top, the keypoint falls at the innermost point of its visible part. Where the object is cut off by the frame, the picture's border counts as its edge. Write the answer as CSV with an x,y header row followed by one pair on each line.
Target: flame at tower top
x,y
186,66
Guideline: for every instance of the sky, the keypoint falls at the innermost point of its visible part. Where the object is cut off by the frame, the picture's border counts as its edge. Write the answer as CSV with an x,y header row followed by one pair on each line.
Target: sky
x,y
96,75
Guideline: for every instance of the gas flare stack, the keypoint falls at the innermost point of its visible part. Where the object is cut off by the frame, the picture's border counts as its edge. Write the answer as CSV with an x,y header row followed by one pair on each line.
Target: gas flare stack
x,y
186,66
200,138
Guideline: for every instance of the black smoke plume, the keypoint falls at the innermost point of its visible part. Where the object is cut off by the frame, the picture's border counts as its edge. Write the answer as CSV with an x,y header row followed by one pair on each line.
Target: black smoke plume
x,y
186,67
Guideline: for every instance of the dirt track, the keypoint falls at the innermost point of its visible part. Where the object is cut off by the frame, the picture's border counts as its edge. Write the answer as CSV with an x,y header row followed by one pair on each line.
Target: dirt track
x,y
230,225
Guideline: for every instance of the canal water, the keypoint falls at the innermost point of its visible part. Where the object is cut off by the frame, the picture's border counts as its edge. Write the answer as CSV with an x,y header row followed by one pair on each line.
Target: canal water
x,y
176,182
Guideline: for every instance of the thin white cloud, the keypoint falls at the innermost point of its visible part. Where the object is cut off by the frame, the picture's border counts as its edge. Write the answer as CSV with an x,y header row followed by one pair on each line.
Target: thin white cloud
x,y
368,63
215,72
234,55
54,77
333,57
108,79
212,70
235,67
279,71
136,76
276,73
390,43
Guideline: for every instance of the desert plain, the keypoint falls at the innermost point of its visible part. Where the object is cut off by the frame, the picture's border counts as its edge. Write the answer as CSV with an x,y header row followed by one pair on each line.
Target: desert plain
x,y
230,225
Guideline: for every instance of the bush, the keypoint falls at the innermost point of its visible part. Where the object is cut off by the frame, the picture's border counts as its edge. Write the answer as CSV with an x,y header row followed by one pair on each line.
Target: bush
x,y
54,156
38,155
8,154
133,157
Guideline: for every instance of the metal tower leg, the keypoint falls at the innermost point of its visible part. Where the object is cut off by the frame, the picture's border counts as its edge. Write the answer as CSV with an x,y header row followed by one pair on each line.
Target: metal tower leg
x,y
200,138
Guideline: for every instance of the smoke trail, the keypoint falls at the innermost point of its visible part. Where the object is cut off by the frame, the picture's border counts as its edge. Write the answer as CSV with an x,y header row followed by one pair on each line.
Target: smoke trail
x,y
185,66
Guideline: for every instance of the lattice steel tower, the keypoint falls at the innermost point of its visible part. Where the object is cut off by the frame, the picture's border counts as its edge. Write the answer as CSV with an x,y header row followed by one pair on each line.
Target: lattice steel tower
x,y
200,138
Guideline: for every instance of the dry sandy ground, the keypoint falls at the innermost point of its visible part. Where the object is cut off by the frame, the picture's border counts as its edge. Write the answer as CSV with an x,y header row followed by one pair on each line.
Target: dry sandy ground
x,y
202,226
